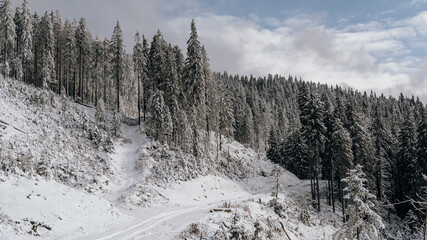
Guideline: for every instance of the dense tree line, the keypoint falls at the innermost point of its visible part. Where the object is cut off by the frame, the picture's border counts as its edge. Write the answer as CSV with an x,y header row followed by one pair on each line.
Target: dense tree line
x,y
339,129
316,131
64,57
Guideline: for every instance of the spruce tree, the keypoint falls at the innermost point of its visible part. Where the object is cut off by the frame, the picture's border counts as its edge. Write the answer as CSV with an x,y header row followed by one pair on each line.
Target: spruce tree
x,y
407,161
106,73
17,71
157,119
383,141
117,124
172,89
194,78
117,50
225,116
145,72
296,156
138,61
342,158
26,40
98,70
156,64
58,49
100,115
7,35
273,152
422,145
70,59
183,132
363,222
363,150
82,48
48,63
313,130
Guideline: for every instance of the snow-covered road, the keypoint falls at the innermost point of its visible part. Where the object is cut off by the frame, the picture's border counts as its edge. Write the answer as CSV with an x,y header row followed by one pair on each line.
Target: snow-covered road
x,y
164,222
165,225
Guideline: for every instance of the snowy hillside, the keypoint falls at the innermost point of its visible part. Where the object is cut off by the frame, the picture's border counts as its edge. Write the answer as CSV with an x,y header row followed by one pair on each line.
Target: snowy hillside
x,y
59,179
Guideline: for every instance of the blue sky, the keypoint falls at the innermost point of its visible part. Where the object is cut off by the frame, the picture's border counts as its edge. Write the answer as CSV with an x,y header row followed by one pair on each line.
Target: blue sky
x,y
363,44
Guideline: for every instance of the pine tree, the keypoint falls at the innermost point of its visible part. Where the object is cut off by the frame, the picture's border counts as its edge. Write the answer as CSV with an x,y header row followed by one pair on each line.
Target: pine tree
x,y
157,119
194,78
171,86
210,94
296,156
363,151
179,63
7,35
328,163
100,115
98,69
82,48
313,130
363,222
139,62
407,161
225,116
106,57
273,152
156,64
243,123
37,51
194,131
183,132
17,71
117,124
70,59
26,40
422,145
48,63
145,73
58,49
383,141
117,50
342,158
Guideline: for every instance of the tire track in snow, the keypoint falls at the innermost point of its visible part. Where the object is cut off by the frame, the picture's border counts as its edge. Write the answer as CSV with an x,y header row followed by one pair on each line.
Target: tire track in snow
x,y
142,227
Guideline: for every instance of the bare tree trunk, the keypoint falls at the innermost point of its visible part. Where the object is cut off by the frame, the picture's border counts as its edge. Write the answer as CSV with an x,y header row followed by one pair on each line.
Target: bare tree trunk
x,y
317,180
332,193
425,224
329,192
139,100
318,192
311,182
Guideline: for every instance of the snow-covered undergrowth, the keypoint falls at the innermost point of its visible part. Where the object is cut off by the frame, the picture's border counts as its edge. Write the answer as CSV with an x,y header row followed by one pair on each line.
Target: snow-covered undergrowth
x,y
44,135
262,217
159,163
52,156
162,167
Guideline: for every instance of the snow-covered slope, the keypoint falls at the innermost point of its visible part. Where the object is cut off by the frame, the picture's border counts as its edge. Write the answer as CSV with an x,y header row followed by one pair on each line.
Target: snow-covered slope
x,y
62,178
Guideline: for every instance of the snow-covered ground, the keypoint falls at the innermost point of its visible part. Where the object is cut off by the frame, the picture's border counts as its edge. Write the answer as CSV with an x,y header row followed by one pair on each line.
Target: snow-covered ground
x,y
142,190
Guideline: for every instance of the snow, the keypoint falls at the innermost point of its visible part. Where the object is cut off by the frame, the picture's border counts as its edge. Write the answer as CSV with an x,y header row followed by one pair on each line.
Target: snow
x,y
68,211
141,192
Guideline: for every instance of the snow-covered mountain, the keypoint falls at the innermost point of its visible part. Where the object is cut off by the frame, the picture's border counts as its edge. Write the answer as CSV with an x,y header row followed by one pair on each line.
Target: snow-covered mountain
x,y
62,177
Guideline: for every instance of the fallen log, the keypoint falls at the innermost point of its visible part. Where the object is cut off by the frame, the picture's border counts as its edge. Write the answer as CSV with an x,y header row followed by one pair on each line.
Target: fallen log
x,y
220,210
284,230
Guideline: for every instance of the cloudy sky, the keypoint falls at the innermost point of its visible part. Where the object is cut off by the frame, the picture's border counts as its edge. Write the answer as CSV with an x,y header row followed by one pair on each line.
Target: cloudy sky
x,y
363,44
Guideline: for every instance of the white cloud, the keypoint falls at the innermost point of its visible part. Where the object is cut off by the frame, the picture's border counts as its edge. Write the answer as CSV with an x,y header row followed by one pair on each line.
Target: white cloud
x,y
379,54
375,55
